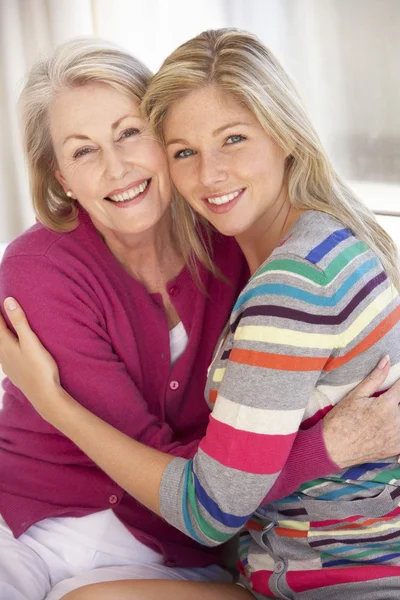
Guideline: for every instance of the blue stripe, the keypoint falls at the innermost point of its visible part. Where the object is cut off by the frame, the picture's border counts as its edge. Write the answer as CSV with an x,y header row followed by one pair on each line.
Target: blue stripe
x,y
328,244
359,470
289,499
349,489
186,516
244,542
214,510
384,545
316,299
372,561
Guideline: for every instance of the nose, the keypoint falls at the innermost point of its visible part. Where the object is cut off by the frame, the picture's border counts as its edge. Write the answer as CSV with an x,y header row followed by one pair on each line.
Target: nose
x,y
212,169
115,164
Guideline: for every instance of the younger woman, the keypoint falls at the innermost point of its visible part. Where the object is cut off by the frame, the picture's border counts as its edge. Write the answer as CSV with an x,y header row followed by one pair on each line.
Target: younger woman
x,y
319,311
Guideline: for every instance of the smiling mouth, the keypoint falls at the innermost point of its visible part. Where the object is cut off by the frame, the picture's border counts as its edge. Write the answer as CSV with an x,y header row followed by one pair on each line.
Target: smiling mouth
x,y
130,194
225,198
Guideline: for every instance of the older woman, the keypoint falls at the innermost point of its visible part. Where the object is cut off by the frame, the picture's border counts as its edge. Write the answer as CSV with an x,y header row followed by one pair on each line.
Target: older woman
x,y
104,281
107,266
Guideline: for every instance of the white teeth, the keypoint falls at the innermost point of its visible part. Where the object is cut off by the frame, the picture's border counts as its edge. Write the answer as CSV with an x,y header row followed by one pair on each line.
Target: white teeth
x,y
130,194
224,199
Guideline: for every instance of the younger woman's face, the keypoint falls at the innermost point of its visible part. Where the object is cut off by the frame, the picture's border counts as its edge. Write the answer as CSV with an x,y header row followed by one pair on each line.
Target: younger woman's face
x,y
223,162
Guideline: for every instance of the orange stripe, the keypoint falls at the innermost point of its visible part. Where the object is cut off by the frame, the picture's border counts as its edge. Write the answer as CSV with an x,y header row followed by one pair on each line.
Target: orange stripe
x,y
292,533
213,396
376,334
281,362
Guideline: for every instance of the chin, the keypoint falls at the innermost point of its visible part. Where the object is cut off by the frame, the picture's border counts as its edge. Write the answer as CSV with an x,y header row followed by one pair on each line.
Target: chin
x,y
230,230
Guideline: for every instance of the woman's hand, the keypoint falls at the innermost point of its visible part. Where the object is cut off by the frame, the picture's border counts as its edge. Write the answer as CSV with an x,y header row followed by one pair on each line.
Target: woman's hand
x,y
135,467
362,428
359,429
25,360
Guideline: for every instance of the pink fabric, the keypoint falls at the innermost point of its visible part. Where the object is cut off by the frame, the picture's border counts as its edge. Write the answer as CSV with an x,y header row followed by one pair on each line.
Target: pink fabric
x,y
111,341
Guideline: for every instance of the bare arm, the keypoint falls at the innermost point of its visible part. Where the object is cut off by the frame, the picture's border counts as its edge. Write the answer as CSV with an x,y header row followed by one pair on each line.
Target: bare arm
x,y
138,468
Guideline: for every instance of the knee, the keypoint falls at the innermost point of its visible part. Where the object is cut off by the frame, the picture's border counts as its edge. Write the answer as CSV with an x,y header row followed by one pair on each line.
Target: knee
x,y
84,593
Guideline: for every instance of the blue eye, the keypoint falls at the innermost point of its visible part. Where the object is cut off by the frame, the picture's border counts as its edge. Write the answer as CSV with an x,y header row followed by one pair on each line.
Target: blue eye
x,y
184,153
82,152
234,139
129,132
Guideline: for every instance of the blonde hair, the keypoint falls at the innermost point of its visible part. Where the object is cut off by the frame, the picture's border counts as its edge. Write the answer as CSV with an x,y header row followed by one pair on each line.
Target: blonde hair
x,y
73,64
240,65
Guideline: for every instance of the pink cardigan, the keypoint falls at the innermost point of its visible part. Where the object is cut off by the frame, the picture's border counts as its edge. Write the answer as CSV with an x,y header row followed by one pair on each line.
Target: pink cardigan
x,y
110,338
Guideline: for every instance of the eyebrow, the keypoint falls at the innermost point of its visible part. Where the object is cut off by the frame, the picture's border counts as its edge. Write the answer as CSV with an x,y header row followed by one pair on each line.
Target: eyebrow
x,y
214,133
79,136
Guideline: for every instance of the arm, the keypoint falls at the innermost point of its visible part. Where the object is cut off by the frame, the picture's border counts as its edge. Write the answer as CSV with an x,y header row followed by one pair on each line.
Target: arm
x,y
81,318
262,382
87,369
137,468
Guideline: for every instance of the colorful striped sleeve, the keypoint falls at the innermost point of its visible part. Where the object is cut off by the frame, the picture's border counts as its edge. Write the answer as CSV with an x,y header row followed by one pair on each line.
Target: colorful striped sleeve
x,y
292,323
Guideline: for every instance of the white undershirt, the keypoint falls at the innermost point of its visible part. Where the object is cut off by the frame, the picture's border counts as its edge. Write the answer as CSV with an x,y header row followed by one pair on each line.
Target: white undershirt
x,y
178,340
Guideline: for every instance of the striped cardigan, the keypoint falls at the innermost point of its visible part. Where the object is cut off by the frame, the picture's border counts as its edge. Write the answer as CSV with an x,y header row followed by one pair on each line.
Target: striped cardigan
x,y
310,324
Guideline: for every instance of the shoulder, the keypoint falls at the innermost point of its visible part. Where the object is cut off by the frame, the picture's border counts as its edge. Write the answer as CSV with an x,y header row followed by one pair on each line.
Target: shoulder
x,y
38,242
35,241
316,259
316,239
43,261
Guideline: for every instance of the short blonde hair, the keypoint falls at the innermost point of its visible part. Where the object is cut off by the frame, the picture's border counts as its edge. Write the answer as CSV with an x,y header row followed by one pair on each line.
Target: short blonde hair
x,y
73,64
240,65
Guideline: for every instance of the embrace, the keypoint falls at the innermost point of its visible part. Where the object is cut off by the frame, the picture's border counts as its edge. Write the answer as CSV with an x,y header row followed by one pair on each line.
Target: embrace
x,y
201,340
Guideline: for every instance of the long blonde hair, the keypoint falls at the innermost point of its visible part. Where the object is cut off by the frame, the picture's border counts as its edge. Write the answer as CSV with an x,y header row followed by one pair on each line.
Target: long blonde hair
x,y
240,65
73,64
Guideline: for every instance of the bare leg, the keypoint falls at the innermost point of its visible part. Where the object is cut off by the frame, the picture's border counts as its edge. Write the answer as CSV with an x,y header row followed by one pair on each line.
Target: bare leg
x,y
157,589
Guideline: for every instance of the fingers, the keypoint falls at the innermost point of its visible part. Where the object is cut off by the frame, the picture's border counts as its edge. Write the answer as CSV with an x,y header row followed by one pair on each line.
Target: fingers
x,y
7,338
375,379
3,324
25,337
17,316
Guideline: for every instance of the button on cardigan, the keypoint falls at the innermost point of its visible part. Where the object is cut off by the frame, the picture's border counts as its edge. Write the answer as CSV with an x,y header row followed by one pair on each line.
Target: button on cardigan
x,y
110,338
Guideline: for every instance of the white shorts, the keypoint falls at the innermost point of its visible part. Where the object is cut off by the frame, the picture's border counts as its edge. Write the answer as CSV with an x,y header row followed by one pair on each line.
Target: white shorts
x,y
56,556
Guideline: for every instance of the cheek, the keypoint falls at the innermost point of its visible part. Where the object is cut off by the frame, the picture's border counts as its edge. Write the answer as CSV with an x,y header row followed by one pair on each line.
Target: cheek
x,y
184,178
81,178
176,175
155,158
269,168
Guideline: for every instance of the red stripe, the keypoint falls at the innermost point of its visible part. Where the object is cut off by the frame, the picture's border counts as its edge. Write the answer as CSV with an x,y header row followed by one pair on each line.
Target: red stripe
x,y
387,517
307,423
253,525
332,522
300,581
249,452
260,583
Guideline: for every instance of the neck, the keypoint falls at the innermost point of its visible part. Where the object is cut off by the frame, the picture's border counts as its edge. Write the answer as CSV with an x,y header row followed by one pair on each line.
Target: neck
x,y
151,257
258,242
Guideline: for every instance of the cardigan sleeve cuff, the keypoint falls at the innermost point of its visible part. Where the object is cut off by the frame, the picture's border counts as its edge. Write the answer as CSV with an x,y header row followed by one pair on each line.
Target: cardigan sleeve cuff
x,y
308,460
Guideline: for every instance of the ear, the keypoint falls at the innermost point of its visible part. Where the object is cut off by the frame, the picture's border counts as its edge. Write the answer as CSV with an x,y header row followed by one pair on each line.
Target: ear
x,y
61,180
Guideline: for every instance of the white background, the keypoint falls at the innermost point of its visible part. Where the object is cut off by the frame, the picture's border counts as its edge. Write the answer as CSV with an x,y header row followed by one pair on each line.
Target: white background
x,y
344,55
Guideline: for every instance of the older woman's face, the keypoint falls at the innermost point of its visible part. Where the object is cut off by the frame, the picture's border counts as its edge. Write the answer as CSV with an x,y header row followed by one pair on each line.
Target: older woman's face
x,y
109,160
